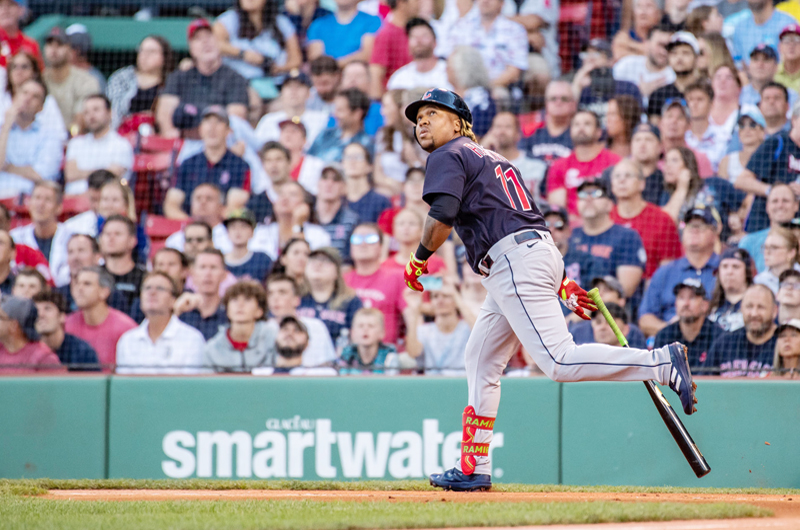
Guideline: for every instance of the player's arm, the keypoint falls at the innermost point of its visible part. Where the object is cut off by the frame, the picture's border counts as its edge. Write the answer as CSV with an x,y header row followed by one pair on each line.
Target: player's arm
x,y
438,225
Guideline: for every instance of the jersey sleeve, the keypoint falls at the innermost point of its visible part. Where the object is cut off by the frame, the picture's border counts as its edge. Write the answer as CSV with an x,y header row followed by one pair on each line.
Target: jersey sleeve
x,y
445,173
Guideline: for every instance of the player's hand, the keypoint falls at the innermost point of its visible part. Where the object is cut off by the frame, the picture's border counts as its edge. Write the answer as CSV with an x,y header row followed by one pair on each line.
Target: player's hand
x,y
414,270
575,298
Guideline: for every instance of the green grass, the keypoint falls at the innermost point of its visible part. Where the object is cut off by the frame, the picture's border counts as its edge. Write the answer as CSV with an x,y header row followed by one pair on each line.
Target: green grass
x,y
32,513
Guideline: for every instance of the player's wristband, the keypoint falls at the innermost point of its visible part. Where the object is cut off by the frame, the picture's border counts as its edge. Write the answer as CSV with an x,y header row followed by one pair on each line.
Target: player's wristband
x,y
422,253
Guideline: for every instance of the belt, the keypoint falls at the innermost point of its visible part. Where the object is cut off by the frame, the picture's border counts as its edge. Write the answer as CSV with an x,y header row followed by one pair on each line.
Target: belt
x,y
486,263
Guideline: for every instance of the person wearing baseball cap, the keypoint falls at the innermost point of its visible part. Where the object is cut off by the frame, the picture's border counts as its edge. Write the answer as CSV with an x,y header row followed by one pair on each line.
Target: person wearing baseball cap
x,y
762,70
646,151
788,73
595,81
180,104
787,354
295,92
734,276
789,295
242,262
682,53
20,349
762,23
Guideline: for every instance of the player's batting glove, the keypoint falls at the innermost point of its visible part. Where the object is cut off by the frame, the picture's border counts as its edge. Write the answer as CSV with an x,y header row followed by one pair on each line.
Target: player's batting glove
x,y
414,270
575,298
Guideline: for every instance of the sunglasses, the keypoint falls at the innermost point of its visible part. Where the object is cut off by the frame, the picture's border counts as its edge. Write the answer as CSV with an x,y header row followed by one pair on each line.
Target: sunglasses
x,y
368,239
556,225
594,194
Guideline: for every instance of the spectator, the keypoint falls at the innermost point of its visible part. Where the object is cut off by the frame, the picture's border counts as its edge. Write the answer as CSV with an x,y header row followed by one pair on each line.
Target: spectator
x,y
748,351
301,15
367,353
391,50
597,330
782,205
594,83
74,353
682,53
774,106
87,221
94,321
780,254
646,151
646,16
13,40
762,69
329,299
789,295
787,352
623,114
552,141
578,265
256,41
698,239
68,85
247,342
283,299
201,309
82,251
350,109
162,344
441,343
761,24
702,136
585,163
174,263
100,148
45,233
293,108
356,75
692,328
290,222
28,283
725,106
734,276
135,88
180,101
303,168
540,20
788,73
243,263
704,19
333,212
649,70
7,252
395,149
293,261
618,251
22,67
751,134
657,230
81,43
361,197
411,199
29,151
346,35
207,206
673,126
117,242
407,228
325,77
502,43
375,286
469,77
714,52
216,164
425,69
503,138
276,160
20,349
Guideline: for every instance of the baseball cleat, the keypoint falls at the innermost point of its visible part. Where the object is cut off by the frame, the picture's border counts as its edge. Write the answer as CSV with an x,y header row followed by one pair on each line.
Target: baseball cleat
x,y
680,377
455,480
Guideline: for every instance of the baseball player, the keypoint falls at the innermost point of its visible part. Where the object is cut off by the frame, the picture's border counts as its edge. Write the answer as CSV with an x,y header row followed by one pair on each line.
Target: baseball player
x,y
480,194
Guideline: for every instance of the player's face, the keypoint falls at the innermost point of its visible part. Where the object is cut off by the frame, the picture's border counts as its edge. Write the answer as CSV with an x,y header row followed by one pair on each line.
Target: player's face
x,y
690,307
699,104
157,297
781,205
788,343
240,232
789,292
436,126
584,130
243,309
645,148
367,330
758,311
625,181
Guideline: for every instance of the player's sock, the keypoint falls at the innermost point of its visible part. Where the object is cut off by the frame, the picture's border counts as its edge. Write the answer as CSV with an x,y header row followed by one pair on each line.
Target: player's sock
x,y
471,450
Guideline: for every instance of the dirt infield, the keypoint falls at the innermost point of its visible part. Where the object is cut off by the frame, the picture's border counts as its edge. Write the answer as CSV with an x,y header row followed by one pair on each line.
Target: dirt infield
x,y
785,507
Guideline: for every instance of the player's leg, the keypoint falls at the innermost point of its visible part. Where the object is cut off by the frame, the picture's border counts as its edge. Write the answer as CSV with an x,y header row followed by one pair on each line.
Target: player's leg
x,y
523,283
491,344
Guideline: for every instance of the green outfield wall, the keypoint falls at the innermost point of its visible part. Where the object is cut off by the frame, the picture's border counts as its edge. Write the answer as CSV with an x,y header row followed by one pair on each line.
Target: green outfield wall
x,y
388,428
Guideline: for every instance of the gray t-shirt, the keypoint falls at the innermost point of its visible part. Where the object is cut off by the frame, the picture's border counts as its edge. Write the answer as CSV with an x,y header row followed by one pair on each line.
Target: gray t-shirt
x,y
223,87
443,353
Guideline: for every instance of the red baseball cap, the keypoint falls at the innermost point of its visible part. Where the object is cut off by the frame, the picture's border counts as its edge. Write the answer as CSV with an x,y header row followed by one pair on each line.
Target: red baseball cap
x,y
791,28
195,25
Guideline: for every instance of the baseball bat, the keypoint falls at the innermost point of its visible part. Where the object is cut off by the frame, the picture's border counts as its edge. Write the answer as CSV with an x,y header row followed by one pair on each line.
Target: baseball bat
x,y
668,414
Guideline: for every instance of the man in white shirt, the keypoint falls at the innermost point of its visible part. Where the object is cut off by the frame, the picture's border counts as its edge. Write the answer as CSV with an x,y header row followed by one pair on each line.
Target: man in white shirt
x,y
206,206
293,98
651,71
162,344
100,148
425,70
29,151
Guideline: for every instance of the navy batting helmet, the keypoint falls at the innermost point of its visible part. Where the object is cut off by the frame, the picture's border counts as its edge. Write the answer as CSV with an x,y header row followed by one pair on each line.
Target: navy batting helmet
x,y
443,98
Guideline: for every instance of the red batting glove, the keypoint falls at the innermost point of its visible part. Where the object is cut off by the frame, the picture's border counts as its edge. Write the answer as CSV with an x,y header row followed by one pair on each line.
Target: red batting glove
x,y
576,299
414,270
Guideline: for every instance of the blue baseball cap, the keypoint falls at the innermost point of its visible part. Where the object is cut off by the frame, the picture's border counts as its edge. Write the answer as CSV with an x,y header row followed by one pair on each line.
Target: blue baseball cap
x,y
647,128
708,214
766,50
752,112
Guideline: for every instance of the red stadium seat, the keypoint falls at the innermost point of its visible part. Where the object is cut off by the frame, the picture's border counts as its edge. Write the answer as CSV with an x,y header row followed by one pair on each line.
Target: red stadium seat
x,y
159,228
573,29
155,144
73,205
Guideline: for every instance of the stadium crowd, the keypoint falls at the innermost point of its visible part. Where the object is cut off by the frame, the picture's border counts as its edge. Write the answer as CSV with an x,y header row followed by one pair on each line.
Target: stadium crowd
x,y
273,239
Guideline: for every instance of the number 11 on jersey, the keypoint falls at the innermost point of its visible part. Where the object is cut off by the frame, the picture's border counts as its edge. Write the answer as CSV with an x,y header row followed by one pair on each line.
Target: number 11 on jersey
x,y
512,176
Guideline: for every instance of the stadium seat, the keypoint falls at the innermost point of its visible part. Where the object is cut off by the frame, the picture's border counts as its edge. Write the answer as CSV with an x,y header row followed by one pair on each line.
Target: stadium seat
x,y
573,30
159,228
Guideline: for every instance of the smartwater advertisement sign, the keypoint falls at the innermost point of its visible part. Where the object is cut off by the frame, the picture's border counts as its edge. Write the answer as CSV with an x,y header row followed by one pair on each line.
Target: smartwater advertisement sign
x,y
345,428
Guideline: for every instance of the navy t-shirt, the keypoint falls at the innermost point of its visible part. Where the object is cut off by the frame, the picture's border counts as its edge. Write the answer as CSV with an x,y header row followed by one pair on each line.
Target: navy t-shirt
x,y
494,200
579,266
613,248
735,356
660,96
542,145
230,172
370,206
334,319
776,160
255,266
75,351
698,349
207,326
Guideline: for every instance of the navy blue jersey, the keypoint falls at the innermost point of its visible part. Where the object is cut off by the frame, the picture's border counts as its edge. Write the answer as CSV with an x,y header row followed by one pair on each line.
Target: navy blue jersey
x,y
230,172
254,266
494,201
776,160
613,248
735,356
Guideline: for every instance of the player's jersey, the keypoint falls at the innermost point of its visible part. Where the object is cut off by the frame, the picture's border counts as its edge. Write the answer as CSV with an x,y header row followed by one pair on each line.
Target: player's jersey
x,y
494,200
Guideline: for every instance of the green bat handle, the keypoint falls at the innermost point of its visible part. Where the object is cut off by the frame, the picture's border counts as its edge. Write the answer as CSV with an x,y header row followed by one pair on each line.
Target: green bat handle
x,y
594,294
